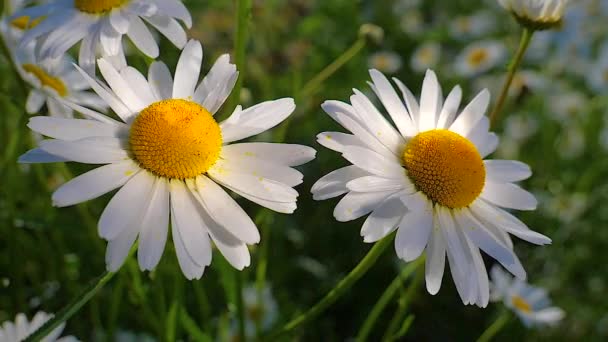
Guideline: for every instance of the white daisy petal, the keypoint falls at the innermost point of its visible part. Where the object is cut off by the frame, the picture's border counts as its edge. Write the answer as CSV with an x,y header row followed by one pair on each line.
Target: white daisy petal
x,y
337,140
415,228
225,211
154,226
190,269
175,9
384,219
373,162
188,70
75,129
412,105
506,171
142,38
35,101
169,28
137,81
334,183
508,195
429,98
118,249
356,204
257,119
450,107
386,93
237,255
489,145
37,155
160,80
478,234
127,207
217,85
92,150
94,183
471,114
190,225
261,168
280,154
375,183
120,86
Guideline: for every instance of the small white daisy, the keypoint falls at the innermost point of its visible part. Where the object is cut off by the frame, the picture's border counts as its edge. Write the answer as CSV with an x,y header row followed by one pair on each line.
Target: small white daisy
x,y
168,155
258,310
54,81
427,179
103,23
22,328
472,26
426,57
479,57
537,14
386,61
531,304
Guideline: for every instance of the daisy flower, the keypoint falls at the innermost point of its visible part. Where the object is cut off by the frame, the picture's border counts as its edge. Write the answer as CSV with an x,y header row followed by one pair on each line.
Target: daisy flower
x,y
479,57
385,61
426,56
530,303
21,329
168,155
428,180
471,26
52,82
102,24
536,14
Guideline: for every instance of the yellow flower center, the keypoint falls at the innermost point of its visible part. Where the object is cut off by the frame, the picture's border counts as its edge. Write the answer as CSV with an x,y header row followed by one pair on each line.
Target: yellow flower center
x,y
98,6
25,22
175,139
521,304
46,79
478,56
445,166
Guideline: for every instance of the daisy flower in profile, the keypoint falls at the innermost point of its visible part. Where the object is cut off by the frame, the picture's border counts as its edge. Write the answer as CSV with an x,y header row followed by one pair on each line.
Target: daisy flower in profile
x,y
536,14
428,180
22,328
53,82
530,303
102,24
385,61
426,56
479,57
168,157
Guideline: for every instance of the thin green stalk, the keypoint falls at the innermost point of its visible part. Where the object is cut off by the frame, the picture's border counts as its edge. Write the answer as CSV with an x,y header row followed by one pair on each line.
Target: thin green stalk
x,y
404,303
495,327
73,307
311,86
339,290
262,266
240,306
243,17
524,42
385,298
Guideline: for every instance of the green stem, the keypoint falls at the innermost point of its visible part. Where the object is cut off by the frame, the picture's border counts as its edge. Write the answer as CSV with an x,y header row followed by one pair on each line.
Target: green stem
x,y
243,16
311,86
385,298
405,300
526,37
71,308
262,266
240,306
495,327
340,289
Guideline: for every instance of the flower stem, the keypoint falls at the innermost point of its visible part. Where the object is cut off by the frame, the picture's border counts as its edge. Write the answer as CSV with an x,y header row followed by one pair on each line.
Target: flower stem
x,y
385,298
243,16
240,307
340,289
71,308
495,327
311,86
391,333
524,42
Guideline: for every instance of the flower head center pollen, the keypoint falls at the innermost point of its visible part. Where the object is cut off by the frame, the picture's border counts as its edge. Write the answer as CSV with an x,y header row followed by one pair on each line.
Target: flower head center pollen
x,y
175,139
478,56
446,167
521,304
25,22
98,6
46,79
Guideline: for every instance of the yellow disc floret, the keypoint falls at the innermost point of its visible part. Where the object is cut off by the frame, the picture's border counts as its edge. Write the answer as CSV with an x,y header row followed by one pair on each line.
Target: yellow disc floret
x,y
46,79
478,56
446,167
25,23
175,139
521,304
98,6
